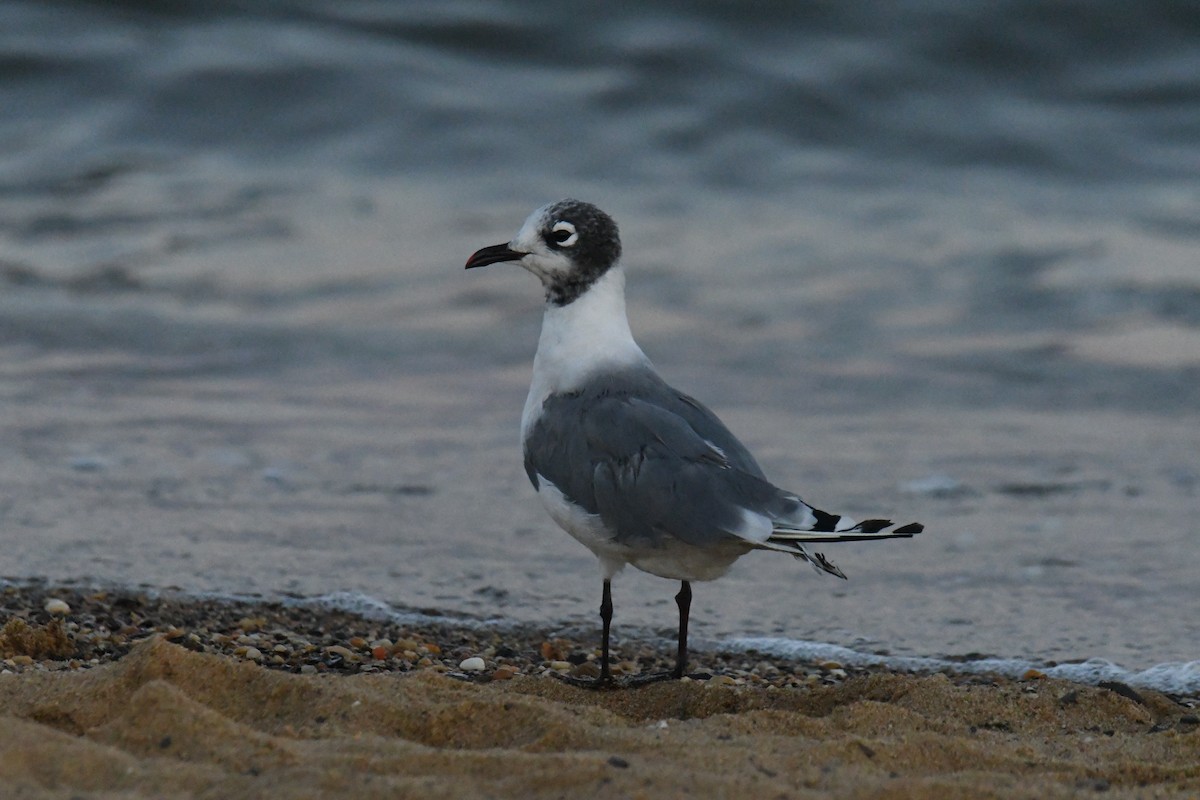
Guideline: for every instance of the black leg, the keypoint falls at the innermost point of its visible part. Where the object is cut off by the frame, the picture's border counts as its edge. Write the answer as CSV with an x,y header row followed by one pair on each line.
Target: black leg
x,y
684,601
605,681
606,618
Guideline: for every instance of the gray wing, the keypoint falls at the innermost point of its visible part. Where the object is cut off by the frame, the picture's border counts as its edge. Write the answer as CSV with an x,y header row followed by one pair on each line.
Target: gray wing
x,y
649,461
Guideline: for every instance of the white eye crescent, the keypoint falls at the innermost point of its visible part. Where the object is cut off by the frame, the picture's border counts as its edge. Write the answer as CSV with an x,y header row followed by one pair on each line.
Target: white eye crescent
x,y
563,234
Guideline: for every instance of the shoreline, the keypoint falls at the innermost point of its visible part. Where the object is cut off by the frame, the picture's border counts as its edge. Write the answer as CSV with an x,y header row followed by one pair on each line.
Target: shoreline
x,y
102,623
62,627
161,695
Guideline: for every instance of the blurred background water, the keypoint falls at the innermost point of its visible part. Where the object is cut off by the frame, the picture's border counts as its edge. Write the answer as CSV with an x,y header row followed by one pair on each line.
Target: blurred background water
x,y
930,259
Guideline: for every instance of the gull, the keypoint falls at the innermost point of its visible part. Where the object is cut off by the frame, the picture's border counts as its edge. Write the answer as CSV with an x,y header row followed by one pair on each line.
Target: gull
x,y
635,470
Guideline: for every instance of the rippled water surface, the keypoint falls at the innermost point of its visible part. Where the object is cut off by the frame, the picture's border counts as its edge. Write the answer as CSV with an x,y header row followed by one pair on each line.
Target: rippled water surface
x,y
934,260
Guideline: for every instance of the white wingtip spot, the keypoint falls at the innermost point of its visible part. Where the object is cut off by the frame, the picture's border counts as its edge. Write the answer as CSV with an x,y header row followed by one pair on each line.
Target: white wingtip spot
x,y
845,524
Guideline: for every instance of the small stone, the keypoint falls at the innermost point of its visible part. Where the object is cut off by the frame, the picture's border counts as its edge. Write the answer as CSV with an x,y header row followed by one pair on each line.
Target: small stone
x,y
587,669
56,607
308,669
722,680
380,653
338,650
504,673
829,665
253,654
1033,675
473,664
560,666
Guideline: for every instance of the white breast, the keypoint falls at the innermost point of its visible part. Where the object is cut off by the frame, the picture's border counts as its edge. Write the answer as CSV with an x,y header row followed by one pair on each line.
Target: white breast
x,y
578,339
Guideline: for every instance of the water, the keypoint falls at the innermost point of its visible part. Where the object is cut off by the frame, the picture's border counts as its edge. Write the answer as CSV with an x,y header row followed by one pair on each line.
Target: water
x,y
937,260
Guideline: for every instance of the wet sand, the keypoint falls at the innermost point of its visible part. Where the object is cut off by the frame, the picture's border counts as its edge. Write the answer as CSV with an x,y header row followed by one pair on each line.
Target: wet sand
x,y
130,695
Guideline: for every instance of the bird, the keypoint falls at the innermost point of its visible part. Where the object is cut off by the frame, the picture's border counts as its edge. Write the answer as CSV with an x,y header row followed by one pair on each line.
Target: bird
x,y
635,470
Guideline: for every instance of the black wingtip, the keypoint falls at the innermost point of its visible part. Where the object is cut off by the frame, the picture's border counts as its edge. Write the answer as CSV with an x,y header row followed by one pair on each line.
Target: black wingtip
x,y
872,525
909,529
825,522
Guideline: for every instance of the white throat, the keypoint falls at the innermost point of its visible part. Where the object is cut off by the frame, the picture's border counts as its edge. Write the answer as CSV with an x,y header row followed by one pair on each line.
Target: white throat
x,y
580,338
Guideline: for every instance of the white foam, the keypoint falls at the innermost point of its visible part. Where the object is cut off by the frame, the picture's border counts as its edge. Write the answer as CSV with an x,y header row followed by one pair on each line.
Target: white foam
x,y
1177,677
369,607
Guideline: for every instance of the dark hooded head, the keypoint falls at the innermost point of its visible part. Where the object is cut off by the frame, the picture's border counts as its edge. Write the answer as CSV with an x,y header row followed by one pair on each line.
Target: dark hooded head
x,y
568,245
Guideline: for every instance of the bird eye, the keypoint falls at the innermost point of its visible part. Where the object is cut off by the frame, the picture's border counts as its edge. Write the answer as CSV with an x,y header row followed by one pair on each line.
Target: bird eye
x,y
564,234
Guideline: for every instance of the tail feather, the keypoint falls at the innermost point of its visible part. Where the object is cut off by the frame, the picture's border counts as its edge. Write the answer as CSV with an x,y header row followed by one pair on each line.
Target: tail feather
x,y
826,527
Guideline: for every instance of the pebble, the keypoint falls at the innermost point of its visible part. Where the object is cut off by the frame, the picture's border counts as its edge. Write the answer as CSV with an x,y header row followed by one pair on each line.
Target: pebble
x,y
473,664
588,669
340,650
56,607
253,654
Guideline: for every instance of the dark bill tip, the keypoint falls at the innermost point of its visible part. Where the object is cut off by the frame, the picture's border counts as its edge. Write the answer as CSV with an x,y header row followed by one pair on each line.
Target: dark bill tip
x,y
493,255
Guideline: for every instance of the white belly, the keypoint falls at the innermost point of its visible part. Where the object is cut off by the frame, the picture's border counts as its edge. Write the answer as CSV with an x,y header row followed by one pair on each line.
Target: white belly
x,y
673,559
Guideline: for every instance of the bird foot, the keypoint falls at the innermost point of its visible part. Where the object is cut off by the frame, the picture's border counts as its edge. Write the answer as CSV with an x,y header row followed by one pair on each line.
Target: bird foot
x,y
609,683
646,679
602,683
634,681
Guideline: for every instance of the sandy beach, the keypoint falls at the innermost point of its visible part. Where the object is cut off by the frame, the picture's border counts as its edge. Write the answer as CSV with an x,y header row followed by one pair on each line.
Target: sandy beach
x,y
120,694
